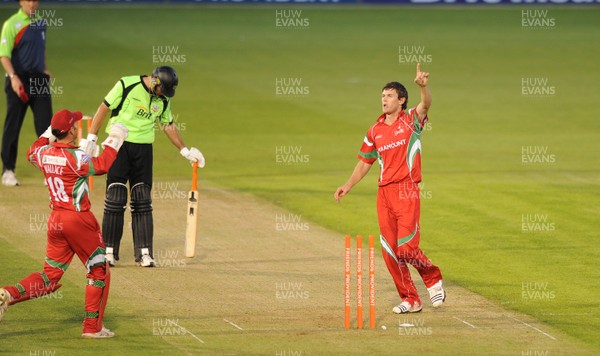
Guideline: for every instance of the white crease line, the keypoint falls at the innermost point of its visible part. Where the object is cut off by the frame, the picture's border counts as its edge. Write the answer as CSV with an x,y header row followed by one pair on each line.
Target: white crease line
x,y
466,322
233,324
534,328
187,331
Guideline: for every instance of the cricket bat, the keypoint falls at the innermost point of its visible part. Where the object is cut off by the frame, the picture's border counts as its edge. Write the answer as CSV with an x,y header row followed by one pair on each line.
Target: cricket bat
x,y
192,216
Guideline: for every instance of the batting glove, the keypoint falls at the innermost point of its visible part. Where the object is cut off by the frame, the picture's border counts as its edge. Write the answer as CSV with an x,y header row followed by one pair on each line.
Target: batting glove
x,y
116,136
48,134
89,145
193,156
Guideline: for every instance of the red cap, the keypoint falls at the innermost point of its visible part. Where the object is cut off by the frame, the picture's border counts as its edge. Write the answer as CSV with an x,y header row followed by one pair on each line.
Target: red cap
x,y
63,120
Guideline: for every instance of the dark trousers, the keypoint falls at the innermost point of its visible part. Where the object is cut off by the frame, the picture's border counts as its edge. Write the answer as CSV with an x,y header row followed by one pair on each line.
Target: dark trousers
x,y
133,164
37,86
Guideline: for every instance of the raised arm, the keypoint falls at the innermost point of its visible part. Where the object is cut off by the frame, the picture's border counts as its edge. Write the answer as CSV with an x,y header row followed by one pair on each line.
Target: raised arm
x,y
99,118
360,171
422,79
88,145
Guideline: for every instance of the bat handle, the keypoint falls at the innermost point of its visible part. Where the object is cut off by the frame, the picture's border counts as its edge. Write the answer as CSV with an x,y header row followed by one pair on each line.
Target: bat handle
x,y
195,176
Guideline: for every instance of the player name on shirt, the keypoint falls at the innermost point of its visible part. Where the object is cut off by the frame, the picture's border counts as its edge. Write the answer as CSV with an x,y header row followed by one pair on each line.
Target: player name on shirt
x,y
50,168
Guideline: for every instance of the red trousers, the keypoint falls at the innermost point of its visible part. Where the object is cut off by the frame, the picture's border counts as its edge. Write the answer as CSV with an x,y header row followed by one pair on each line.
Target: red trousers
x,y
71,233
399,210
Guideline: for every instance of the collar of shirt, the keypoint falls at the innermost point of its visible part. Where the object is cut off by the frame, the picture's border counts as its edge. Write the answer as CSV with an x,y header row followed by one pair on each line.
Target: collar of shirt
x,y
63,145
23,16
381,119
144,84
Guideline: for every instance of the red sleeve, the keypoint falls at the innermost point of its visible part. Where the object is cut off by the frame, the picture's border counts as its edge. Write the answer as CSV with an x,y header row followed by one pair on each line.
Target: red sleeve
x,y
418,122
368,151
33,153
101,164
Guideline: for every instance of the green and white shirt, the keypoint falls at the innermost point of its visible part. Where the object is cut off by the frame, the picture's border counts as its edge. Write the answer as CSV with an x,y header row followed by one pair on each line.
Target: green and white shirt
x,y
133,105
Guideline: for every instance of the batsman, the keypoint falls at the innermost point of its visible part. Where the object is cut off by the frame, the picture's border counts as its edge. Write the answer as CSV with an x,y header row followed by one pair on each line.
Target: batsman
x,y
395,141
138,101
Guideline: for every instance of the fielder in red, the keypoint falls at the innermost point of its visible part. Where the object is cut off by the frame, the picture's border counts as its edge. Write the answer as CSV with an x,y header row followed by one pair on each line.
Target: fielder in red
x,y
72,228
395,141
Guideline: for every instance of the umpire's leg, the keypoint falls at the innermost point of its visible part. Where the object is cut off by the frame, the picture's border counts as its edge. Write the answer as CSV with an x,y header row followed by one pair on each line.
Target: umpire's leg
x,y
140,182
115,202
15,113
41,104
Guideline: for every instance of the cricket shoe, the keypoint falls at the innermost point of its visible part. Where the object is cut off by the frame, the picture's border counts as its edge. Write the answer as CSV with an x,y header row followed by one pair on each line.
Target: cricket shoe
x,y
9,179
104,333
146,261
405,307
4,300
437,294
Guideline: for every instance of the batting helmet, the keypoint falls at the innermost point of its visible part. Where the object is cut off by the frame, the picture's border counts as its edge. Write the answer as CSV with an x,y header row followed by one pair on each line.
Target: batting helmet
x,y
167,79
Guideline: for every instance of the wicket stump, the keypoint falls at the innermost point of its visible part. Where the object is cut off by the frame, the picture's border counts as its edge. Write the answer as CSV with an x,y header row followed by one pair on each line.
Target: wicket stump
x,y
359,282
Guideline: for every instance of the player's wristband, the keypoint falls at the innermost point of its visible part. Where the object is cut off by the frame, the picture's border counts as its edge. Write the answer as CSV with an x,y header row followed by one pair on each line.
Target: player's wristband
x,y
185,152
92,138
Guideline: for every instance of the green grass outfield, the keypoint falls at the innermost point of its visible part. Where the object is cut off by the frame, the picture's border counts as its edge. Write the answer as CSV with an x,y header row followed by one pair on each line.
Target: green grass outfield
x,y
481,199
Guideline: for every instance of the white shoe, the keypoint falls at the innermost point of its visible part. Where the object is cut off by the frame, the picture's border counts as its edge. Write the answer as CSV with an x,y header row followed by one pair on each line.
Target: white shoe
x,y
9,179
437,294
146,261
405,308
4,300
102,334
110,258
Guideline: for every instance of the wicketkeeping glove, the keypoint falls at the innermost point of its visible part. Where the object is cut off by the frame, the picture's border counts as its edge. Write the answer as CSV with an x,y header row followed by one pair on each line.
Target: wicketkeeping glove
x,y
48,134
116,136
89,145
193,156
84,143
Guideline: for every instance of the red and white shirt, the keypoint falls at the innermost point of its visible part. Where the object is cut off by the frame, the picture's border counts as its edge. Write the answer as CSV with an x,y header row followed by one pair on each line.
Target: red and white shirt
x,y
66,169
397,147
